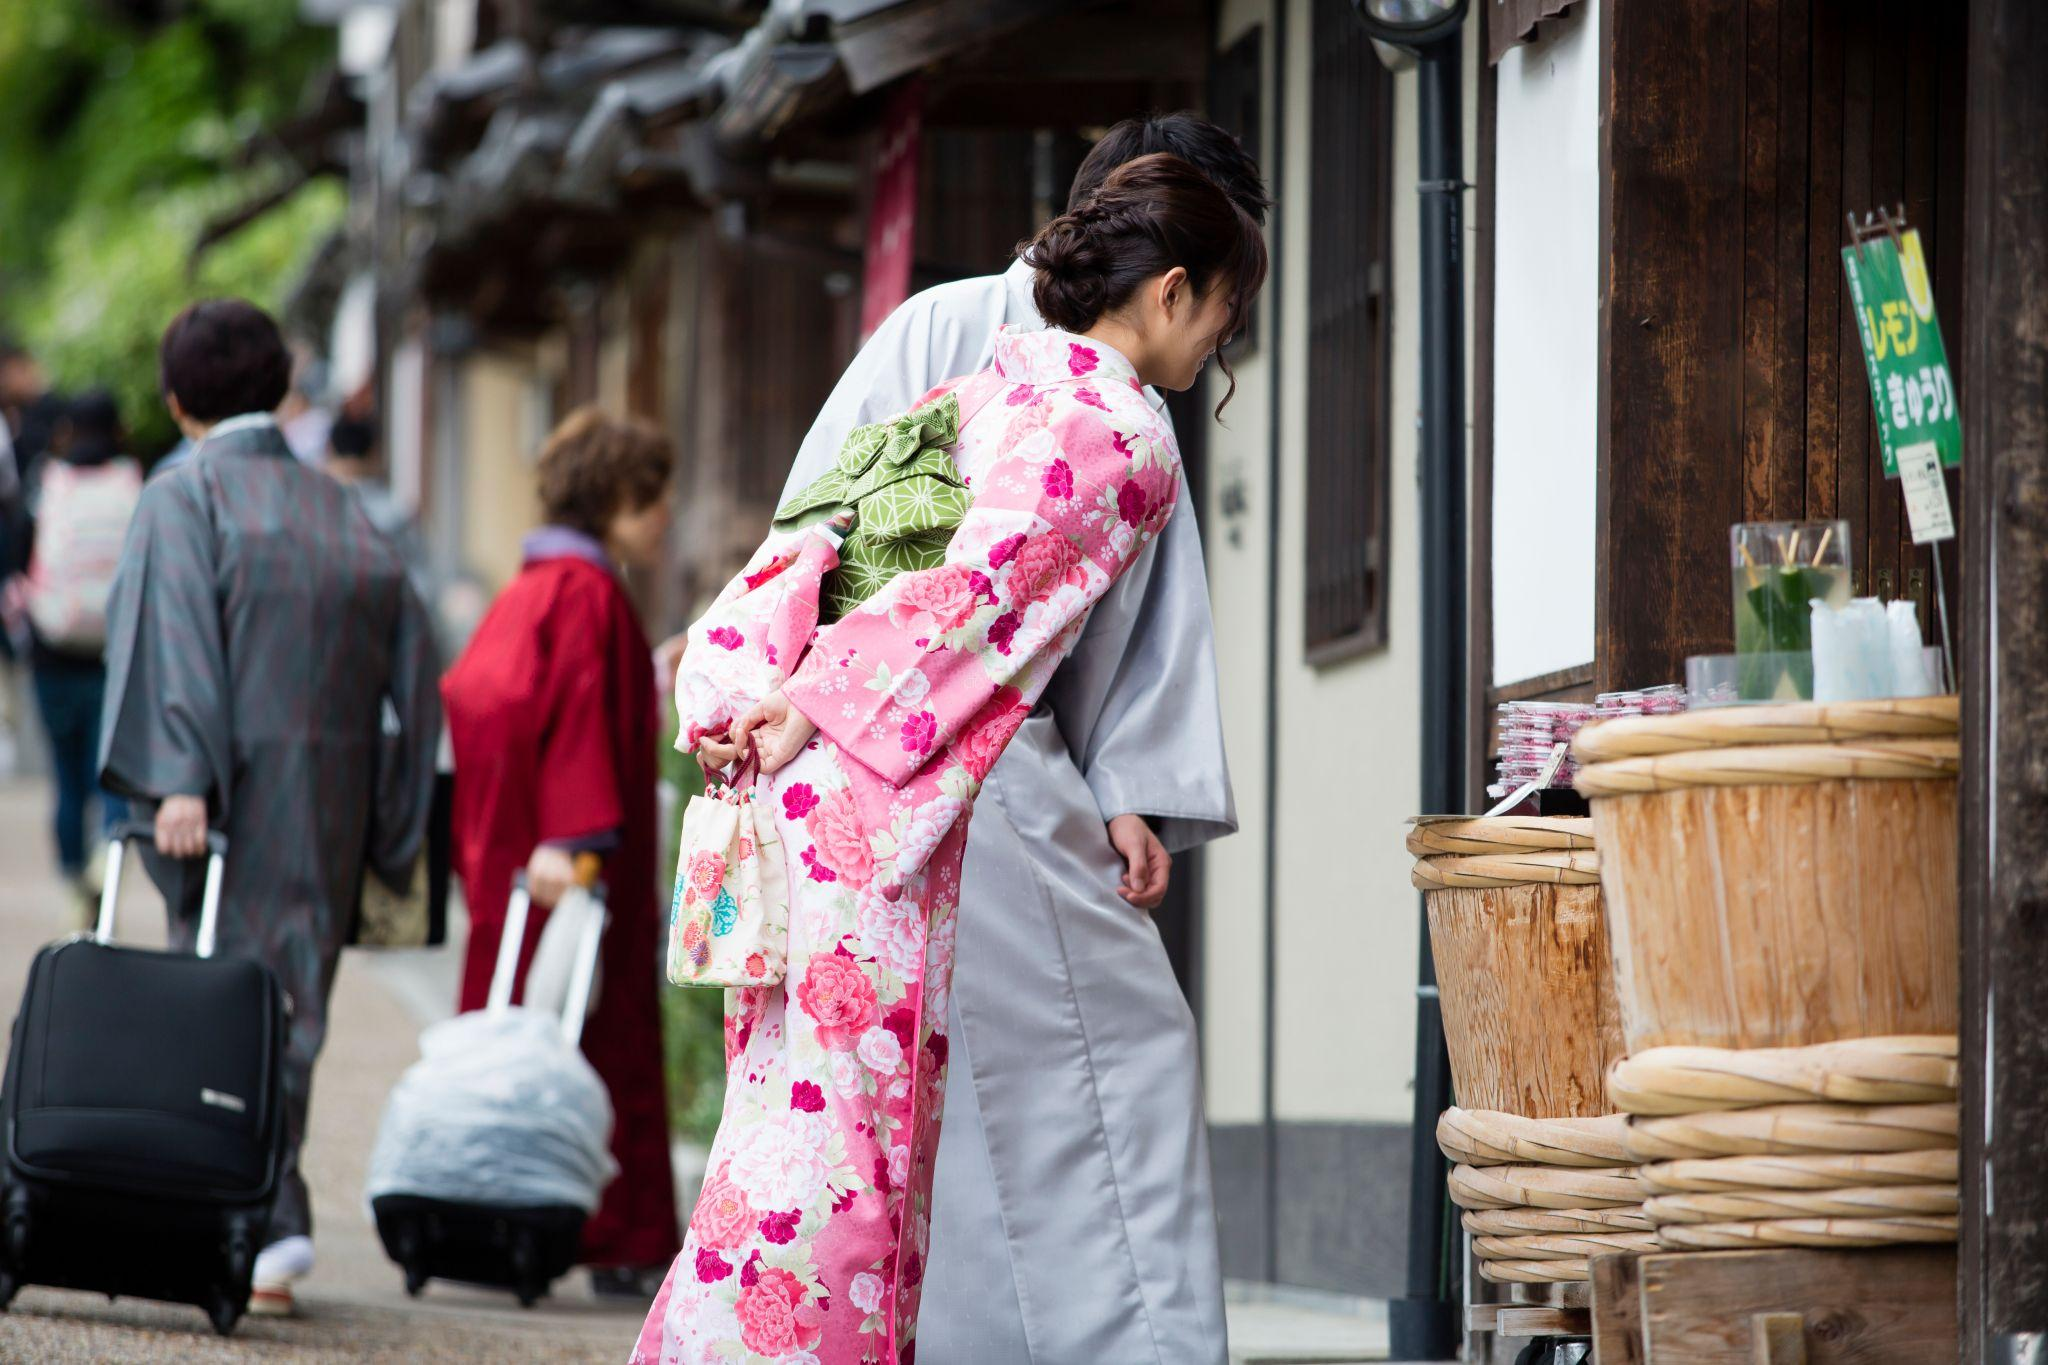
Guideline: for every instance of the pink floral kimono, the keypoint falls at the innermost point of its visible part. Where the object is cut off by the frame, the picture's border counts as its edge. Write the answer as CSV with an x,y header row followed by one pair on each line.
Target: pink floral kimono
x,y
807,1245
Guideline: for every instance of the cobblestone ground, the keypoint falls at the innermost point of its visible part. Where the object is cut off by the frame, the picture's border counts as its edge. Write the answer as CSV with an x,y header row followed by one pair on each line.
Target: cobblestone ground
x,y
353,1307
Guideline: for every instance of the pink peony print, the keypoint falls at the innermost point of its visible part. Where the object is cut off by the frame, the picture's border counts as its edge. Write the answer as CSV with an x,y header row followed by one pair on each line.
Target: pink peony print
x,y
774,1318
1019,395
723,1217
780,1228
866,1292
694,945
880,1051
725,637
919,733
981,743
756,964
1090,397
1042,565
798,800
707,873
840,1000
1002,630
840,839
934,601
1059,480
711,1266
1004,550
1130,503
817,871
806,1097
892,932
984,588
1081,359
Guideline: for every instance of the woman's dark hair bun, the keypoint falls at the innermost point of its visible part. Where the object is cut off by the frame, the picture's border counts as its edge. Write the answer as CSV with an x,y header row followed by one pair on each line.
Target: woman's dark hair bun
x,y
1148,216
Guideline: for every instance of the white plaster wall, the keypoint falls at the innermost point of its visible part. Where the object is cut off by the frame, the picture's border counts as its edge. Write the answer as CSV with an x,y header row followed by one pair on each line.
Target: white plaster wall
x,y
1546,349
1348,764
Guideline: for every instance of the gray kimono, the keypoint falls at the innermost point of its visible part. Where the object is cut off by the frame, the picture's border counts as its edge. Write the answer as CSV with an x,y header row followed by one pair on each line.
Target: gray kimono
x,y
264,651
1072,1215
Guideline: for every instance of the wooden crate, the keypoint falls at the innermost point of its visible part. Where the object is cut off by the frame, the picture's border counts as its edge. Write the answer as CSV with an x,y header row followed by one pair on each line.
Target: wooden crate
x,y
1890,1306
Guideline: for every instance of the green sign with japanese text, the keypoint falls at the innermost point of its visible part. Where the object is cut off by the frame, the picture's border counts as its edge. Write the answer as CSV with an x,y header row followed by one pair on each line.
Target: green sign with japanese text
x,y
1911,391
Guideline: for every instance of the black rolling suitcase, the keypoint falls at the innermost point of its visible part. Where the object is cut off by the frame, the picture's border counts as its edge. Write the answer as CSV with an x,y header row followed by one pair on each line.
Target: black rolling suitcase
x,y
520,1247
143,1113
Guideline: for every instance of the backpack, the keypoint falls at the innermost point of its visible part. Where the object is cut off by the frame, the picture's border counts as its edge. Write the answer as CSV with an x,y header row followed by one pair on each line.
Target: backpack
x,y
81,521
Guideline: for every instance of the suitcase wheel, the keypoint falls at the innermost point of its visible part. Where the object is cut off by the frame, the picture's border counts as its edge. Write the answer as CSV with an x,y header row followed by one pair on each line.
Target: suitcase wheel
x,y
8,1286
415,1280
526,1277
225,1312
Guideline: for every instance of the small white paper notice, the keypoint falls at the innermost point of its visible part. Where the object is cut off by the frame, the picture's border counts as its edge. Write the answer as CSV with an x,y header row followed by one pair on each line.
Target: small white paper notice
x,y
1926,495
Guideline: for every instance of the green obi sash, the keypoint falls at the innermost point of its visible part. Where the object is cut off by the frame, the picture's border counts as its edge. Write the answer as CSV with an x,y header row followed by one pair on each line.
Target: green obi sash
x,y
898,479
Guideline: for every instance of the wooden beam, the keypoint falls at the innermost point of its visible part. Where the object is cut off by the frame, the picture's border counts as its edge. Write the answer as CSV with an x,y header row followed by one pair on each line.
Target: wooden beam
x,y
1617,1310
1542,1322
1777,1339
906,38
2004,814
1887,1306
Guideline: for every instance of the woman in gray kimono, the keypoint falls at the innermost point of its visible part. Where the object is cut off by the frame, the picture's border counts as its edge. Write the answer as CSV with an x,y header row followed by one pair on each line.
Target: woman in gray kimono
x,y
1072,1213
270,673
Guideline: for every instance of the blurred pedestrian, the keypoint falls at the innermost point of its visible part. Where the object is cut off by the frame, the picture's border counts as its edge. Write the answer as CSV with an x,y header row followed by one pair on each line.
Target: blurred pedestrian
x,y
271,674
84,501
351,459
551,710
29,418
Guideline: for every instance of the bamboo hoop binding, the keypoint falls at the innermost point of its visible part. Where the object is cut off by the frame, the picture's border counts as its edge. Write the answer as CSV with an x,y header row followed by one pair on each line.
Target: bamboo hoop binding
x,y
1807,1232
1534,1272
1543,1187
1524,1222
1826,1171
1787,1129
1561,1246
1428,836
1773,765
1804,723
1686,1080
1557,867
1487,1137
1882,1201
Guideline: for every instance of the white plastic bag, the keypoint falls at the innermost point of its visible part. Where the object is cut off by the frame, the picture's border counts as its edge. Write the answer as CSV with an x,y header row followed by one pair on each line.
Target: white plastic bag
x,y
500,1110
553,968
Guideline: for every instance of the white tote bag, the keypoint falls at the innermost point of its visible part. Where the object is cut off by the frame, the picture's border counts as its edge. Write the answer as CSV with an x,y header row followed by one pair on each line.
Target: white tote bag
x,y
729,919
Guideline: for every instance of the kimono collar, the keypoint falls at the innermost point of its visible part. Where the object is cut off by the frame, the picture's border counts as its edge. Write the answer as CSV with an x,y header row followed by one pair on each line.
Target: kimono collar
x,y
1056,357
251,432
563,542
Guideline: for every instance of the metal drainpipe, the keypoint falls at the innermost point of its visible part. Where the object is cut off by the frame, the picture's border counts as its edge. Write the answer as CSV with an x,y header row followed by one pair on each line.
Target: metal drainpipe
x,y
1423,1325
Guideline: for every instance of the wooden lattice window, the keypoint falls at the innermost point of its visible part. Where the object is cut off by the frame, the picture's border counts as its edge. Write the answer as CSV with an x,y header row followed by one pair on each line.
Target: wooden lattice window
x,y
1350,113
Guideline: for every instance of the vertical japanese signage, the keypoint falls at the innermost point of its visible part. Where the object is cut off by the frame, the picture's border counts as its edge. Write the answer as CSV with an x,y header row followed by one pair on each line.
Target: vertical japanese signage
x,y
1912,393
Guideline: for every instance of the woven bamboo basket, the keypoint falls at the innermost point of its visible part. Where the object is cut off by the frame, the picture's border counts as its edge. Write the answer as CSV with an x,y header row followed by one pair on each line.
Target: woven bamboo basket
x,y
1779,876
1687,1080
1542,1187
1807,1232
1875,1201
1485,1137
1791,1129
1522,963
1812,1171
1534,1272
1524,1222
1564,1246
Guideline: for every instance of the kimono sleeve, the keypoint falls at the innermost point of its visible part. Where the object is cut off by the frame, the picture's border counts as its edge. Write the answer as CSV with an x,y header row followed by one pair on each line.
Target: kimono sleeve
x,y
576,790
406,750
954,657
166,729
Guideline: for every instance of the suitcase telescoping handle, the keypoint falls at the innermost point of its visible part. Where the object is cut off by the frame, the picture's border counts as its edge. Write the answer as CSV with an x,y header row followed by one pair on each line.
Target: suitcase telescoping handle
x,y
585,974
118,840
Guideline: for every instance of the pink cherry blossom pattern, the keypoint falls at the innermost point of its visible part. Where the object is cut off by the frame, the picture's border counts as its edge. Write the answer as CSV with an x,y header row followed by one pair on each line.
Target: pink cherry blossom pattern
x,y
919,732
1081,359
725,637
798,800
1059,480
1005,550
1131,503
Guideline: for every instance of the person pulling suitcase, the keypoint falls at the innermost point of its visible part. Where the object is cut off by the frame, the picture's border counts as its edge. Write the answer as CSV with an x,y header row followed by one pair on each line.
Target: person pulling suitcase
x,y
143,1110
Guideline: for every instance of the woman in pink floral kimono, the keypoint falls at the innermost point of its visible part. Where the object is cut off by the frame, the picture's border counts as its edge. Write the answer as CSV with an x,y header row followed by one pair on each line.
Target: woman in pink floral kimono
x,y
807,1245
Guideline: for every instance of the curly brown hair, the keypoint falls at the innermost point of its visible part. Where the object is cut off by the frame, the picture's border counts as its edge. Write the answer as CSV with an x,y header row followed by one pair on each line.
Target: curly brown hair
x,y
594,467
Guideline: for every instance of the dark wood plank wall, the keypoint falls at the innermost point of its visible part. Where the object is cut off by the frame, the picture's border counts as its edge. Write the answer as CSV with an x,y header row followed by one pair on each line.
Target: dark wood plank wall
x,y
1740,133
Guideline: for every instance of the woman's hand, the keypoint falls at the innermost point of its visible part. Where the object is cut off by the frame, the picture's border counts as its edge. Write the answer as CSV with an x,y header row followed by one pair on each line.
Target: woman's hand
x,y
1147,865
550,872
778,728
716,751
181,827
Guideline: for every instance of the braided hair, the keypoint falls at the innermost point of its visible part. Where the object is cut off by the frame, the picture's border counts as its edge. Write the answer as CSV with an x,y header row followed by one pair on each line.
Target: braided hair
x,y
1149,215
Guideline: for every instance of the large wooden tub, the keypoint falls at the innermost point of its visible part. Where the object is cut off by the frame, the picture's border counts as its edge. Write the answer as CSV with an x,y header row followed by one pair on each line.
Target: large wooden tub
x,y
1778,876
1521,962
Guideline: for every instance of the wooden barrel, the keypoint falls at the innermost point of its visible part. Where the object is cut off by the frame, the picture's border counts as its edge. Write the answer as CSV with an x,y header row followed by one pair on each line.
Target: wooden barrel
x,y
1522,967
1779,876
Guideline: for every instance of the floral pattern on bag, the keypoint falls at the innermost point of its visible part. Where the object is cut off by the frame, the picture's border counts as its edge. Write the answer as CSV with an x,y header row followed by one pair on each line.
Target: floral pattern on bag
x,y
729,917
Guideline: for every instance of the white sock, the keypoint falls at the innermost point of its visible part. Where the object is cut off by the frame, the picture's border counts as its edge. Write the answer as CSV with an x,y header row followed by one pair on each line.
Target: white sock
x,y
284,1260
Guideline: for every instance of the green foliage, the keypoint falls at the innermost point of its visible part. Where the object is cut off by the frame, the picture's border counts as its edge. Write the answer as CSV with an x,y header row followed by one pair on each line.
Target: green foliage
x,y
119,143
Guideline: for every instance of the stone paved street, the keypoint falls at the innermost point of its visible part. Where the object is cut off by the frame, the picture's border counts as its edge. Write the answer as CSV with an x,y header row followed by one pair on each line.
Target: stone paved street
x,y
353,1307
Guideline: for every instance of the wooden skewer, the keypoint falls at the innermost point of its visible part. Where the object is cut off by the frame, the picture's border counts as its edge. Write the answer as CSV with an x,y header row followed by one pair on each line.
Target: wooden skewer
x,y
1825,537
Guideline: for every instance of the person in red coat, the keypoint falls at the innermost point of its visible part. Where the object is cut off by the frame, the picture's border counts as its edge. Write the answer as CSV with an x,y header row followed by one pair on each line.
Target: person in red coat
x,y
552,713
